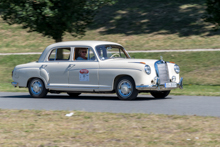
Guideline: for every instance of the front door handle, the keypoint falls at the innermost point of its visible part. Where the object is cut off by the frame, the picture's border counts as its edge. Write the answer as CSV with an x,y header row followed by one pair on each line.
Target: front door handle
x,y
71,65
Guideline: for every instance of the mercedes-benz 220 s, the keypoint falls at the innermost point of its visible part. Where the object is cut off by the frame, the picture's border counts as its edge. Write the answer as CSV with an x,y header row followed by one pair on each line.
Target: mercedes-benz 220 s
x,y
77,67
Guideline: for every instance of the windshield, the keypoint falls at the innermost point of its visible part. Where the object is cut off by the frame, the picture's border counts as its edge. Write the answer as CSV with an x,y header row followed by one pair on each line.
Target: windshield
x,y
111,51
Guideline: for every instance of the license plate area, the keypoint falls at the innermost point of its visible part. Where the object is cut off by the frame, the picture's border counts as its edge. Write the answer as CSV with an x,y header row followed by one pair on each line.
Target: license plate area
x,y
170,85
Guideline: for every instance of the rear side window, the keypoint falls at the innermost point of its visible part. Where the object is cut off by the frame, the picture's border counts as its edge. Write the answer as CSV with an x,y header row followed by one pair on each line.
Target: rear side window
x,y
60,54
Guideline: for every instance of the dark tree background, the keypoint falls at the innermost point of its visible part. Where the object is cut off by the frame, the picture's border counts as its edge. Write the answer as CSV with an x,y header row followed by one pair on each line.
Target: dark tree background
x,y
213,12
52,18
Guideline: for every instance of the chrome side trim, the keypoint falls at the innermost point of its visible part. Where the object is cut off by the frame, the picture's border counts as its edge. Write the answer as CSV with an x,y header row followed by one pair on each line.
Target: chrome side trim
x,y
15,84
121,68
72,85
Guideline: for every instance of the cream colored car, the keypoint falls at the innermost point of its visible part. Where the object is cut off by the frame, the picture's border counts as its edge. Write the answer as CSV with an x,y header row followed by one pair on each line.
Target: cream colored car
x,y
77,67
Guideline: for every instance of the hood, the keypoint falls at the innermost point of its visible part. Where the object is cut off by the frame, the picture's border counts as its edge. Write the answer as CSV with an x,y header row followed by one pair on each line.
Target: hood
x,y
147,61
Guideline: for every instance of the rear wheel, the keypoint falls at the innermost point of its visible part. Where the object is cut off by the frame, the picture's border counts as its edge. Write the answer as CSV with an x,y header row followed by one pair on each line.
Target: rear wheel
x,y
125,89
37,89
160,94
73,94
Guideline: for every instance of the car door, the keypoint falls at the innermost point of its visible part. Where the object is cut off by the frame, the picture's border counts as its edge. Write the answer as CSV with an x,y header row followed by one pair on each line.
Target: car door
x,y
58,73
83,75
57,68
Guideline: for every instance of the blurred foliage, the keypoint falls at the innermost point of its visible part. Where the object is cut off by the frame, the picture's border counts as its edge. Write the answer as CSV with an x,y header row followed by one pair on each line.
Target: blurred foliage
x,y
213,12
157,17
52,18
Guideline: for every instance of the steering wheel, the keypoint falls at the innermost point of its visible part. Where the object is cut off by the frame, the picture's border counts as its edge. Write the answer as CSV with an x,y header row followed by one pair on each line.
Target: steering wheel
x,y
115,55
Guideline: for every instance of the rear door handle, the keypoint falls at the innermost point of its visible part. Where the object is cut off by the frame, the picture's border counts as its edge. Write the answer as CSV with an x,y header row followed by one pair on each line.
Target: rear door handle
x,y
43,66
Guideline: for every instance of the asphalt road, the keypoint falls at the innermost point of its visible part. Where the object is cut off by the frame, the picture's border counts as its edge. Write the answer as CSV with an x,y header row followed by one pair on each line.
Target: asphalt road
x,y
181,105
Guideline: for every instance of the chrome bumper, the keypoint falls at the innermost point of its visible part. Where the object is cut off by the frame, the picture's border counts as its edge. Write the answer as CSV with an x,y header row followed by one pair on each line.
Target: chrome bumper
x,y
15,84
159,87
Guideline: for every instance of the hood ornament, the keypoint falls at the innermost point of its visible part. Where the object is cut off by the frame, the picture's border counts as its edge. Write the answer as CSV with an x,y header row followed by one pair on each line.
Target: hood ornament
x,y
161,58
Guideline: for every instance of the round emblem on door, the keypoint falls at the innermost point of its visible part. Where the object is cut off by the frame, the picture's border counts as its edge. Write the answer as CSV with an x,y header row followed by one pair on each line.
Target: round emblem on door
x,y
84,71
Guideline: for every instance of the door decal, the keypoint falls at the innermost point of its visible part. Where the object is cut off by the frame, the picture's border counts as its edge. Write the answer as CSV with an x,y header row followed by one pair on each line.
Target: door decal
x,y
83,75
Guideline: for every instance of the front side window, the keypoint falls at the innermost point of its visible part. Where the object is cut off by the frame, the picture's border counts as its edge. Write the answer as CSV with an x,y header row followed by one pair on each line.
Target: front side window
x,y
110,51
84,54
60,54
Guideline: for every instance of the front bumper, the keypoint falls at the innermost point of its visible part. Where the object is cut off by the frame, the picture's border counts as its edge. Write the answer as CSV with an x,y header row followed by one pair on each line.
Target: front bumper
x,y
15,84
159,87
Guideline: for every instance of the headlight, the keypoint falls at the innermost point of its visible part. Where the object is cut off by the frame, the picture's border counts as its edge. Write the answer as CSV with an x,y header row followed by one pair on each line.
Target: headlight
x,y
147,69
177,68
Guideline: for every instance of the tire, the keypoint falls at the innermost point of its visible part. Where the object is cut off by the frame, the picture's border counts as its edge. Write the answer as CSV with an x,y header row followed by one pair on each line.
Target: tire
x,y
36,88
125,88
160,94
73,94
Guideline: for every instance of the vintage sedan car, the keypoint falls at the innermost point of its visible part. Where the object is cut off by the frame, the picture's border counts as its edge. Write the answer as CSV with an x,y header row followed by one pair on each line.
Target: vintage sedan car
x,y
77,67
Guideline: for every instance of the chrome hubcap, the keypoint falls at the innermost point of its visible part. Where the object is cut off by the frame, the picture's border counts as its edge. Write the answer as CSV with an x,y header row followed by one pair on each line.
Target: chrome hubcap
x,y
125,88
36,87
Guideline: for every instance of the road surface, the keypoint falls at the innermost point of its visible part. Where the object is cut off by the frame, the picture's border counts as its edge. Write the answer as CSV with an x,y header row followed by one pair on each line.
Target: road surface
x,y
181,105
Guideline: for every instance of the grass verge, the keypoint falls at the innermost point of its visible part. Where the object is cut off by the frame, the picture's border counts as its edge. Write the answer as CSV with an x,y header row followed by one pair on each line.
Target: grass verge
x,y
197,90
53,128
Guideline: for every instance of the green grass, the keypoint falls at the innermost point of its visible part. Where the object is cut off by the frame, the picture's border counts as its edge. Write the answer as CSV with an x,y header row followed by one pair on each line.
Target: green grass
x,y
200,70
197,90
137,25
7,64
7,87
53,128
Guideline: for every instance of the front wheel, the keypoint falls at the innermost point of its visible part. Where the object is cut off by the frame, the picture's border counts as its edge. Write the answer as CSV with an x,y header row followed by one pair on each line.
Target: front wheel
x,y
37,89
159,94
125,89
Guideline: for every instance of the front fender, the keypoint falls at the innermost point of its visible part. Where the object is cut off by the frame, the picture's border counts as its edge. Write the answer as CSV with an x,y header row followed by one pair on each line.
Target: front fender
x,y
44,74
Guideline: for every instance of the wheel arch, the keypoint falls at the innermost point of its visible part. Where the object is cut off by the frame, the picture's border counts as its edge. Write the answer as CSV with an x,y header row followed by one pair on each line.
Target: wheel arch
x,y
29,80
120,76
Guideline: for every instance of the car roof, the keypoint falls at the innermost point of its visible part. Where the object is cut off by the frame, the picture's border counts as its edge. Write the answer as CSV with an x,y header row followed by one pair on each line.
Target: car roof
x,y
83,43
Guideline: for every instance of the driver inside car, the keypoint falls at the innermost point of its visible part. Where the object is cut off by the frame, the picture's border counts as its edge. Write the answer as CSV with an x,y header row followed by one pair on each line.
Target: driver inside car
x,y
82,54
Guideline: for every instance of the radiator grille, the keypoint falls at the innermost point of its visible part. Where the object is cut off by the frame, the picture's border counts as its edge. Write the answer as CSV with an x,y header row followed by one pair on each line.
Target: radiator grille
x,y
163,73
